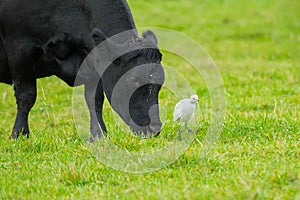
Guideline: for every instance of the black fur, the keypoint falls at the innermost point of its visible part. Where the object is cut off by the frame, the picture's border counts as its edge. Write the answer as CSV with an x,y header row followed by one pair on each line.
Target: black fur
x,y
42,38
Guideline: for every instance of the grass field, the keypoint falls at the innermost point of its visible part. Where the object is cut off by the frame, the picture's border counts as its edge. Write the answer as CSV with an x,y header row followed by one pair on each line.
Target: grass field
x,y
256,46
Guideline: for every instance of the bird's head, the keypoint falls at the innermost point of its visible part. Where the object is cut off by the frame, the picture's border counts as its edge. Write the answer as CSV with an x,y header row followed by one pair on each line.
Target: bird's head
x,y
194,99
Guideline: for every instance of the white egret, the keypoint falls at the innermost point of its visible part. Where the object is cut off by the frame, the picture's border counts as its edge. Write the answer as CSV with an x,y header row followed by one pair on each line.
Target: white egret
x,y
184,111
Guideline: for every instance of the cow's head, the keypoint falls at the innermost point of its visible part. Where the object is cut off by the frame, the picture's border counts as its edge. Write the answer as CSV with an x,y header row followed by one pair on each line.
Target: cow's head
x,y
133,80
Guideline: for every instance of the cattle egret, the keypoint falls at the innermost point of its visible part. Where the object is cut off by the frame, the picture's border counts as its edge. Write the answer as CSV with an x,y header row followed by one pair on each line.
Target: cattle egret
x,y
184,111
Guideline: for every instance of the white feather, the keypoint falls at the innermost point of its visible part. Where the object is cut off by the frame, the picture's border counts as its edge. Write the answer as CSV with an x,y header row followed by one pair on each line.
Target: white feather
x,y
177,112
185,109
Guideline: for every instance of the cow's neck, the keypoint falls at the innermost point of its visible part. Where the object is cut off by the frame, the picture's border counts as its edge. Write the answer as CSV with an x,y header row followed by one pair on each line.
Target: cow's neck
x,y
115,18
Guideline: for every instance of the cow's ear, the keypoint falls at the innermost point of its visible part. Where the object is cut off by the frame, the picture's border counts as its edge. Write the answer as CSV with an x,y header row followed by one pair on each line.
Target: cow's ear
x,y
150,35
98,36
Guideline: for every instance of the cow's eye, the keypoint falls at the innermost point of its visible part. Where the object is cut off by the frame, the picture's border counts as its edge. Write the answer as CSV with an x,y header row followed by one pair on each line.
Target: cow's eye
x,y
134,80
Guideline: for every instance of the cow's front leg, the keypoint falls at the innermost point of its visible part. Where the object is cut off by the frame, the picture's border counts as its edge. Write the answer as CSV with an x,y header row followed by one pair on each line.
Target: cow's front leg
x,y
21,54
25,95
99,99
94,99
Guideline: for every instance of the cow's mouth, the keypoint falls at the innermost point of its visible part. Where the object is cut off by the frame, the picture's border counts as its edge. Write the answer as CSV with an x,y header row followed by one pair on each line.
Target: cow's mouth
x,y
149,131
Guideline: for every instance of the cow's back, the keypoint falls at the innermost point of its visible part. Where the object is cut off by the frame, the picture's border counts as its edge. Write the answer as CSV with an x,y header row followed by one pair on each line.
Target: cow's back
x,y
40,21
44,19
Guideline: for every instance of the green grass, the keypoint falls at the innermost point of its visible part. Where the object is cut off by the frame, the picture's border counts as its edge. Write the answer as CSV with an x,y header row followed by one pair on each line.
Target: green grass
x,y
256,46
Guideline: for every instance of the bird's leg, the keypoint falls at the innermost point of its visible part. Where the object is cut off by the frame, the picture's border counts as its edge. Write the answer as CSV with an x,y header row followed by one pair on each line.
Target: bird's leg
x,y
179,132
190,131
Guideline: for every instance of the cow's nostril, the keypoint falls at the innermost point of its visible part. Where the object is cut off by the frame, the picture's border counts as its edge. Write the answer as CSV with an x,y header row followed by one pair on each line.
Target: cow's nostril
x,y
157,134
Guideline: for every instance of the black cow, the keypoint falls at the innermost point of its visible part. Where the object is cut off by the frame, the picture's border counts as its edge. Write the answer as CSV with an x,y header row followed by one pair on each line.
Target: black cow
x,y
42,38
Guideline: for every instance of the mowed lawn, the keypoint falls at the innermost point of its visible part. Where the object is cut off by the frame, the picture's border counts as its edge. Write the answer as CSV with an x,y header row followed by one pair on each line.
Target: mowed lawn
x,y
256,46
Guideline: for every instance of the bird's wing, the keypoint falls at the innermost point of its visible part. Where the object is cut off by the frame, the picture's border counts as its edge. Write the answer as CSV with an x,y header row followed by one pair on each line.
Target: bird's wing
x,y
194,110
177,111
